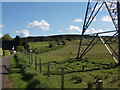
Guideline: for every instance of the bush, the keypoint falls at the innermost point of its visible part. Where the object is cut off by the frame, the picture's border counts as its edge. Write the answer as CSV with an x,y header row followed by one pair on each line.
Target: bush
x,y
38,81
1,52
26,69
20,48
6,52
52,44
29,73
23,65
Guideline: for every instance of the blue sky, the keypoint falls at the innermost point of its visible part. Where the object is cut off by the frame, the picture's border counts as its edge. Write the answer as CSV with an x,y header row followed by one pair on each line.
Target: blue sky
x,y
49,18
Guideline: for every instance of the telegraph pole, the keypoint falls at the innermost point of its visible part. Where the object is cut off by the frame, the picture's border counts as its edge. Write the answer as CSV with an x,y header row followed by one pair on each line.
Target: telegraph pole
x,y
118,10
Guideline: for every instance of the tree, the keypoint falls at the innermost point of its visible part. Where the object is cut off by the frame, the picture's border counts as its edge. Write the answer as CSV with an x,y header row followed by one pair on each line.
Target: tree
x,y
25,44
17,40
6,37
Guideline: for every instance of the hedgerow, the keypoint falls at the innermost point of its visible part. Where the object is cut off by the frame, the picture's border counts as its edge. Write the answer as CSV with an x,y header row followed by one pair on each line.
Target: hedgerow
x,y
35,79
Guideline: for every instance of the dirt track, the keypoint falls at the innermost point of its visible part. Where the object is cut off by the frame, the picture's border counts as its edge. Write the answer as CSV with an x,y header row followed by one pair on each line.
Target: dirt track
x,y
5,72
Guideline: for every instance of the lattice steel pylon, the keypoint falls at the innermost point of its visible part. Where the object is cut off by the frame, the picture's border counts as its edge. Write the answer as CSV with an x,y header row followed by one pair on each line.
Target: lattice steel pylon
x,y
113,8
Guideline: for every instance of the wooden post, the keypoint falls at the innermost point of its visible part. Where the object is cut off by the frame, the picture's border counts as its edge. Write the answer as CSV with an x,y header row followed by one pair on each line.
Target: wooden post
x,y
40,65
118,10
35,63
48,70
29,58
99,85
62,78
83,68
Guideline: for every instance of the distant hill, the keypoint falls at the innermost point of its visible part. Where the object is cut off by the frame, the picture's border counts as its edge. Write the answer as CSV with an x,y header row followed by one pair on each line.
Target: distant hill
x,y
7,45
56,37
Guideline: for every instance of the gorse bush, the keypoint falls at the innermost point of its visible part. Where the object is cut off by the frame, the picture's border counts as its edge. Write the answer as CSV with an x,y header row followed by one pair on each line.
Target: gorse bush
x,y
6,52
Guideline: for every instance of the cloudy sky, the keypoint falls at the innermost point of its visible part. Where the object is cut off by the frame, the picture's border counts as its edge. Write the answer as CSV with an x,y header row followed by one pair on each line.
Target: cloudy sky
x,y
50,18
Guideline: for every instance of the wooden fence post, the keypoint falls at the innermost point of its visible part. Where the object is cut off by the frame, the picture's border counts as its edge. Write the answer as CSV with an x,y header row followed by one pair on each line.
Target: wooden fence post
x,y
28,56
48,70
35,63
62,78
31,58
83,68
99,85
40,65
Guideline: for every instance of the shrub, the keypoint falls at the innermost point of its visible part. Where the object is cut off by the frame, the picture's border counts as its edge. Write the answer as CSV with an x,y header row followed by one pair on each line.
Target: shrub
x,y
39,81
52,44
20,48
69,39
23,65
1,52
6,52
29,73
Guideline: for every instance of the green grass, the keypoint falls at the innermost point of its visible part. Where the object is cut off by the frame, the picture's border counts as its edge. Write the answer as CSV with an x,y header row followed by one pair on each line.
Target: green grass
x,y
66,52
98,58
98,54
110,79
38,44
70,51
42,47
16,75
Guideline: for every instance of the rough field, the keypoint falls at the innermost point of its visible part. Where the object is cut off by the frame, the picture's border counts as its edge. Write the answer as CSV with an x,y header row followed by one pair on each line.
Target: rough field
x,y
95,65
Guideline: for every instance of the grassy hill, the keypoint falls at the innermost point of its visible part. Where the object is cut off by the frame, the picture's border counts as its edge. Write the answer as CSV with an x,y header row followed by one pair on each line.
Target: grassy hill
x,y
70,51
96,65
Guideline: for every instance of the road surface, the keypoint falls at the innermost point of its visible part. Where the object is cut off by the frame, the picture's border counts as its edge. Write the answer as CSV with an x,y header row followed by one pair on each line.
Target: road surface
x,y
5,72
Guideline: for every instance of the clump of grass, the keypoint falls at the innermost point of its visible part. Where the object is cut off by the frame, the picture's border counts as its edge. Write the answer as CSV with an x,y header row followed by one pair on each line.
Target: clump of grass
x,y
29,73
90,85
77,79
38,81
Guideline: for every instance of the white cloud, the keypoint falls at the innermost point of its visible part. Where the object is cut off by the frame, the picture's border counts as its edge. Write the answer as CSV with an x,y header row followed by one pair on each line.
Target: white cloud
x,y
41,25
74,28
106,19
1,25
93,30
23,33
78,20
1,35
